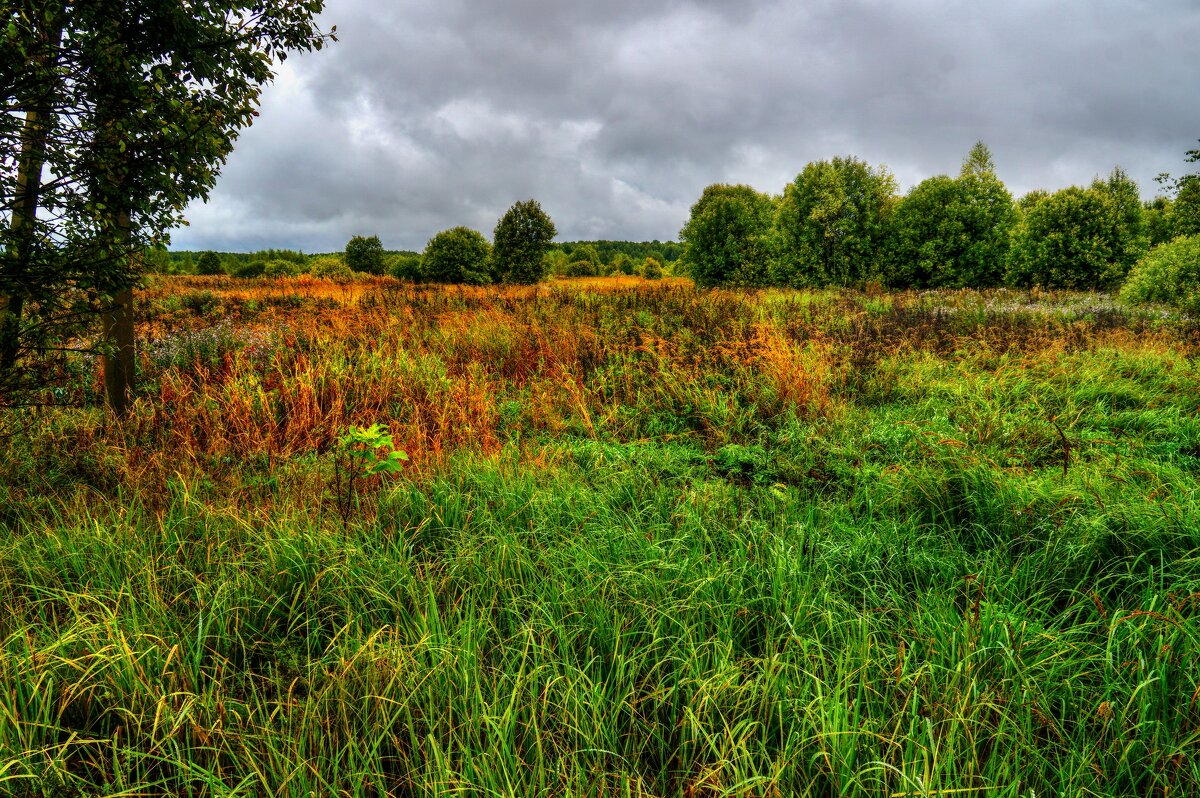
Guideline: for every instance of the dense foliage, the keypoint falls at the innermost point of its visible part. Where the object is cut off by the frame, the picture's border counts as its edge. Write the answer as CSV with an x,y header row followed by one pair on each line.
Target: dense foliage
x,y
1184,211
725,240
520,241
1069,239
636,251
114,115
831,224
1169,274
365,254
840,223
209,263
457,255
329,267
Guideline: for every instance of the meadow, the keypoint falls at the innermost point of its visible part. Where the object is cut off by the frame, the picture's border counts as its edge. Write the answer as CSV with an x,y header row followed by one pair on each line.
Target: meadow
x,y
649,541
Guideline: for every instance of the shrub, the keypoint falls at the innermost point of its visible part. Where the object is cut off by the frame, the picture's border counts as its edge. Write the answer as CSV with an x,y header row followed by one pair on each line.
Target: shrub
x,y
952,232
556,262
725,236
406,266
831,224
1169,273
623,264
457,255
330,267
651,269
522,237
252,269
209,263
365,255
1069,239
280,268
581,268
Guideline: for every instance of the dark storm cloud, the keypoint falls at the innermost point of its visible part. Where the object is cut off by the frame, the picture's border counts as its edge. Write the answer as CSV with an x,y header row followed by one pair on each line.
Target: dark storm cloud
x,y
615,115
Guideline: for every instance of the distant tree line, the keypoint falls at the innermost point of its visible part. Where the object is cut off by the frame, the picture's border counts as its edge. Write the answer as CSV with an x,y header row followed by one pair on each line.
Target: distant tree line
x,y
457,255
841,222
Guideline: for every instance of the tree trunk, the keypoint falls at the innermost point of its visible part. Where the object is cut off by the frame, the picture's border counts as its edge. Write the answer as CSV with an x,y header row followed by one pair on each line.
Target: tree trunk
x,y
119,358
27,192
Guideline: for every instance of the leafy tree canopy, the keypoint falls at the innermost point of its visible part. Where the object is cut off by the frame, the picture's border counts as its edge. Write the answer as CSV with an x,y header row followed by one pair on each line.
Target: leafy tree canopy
x,y
725,237
458,255
1066,240
1169,274
953,232
209,263
1129,236
365,254
116,114
832,222
521,238
1185,210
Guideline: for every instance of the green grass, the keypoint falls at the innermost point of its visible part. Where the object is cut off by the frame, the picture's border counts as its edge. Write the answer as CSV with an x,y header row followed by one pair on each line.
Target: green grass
x,y
970,567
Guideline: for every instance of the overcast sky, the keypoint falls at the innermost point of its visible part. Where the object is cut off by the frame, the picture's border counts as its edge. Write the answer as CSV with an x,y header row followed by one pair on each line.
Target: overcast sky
x,y
615,114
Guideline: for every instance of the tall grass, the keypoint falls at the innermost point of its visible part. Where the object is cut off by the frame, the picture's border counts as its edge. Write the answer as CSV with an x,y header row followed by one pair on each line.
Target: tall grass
x,y
653,542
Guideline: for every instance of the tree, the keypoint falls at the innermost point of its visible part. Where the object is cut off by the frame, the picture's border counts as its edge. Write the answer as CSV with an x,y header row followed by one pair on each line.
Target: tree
x,y
725,239
365,255
1185,208
1159,220
521,238
131,107
405,266
1168,274
1185,211
951,232
457,255
581,268
209,263
651,269
1066,240
927,236
556,261
330,267
586,252
832,222
987,215
622,264
1129,236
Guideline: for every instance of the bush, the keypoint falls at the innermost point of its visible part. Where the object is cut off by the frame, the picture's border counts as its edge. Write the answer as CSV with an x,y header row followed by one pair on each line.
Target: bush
x,y
651,269
952,232
581,268
1069,239
406,266
330,267
280,268
365,255
457,255
252,269
623,264
725,236
831,224
209,263
522,237
1170,274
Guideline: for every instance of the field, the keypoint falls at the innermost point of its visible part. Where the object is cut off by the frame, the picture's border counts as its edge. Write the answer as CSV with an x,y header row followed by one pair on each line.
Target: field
x,y
649,541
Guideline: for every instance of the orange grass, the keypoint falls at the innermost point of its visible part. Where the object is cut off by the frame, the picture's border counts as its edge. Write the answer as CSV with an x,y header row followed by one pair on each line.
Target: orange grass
x,y
451,368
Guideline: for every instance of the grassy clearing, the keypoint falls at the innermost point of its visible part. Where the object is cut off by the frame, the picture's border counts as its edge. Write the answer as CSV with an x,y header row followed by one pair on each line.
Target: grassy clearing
x,y
652,541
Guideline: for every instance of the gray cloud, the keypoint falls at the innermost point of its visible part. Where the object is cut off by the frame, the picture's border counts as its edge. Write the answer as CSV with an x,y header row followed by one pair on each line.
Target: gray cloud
x,y
615,115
